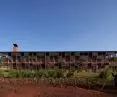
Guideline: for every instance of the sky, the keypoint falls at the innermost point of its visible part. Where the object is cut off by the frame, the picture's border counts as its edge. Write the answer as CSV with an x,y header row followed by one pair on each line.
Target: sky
x,y
58,25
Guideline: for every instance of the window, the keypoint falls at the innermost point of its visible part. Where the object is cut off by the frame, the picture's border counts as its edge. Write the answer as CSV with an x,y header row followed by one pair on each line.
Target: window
x,y
9,54
19,58
22,54
47,53
104,53
34,53
76,57
30,54
59,53
86,54
99,53
63,54
90,54
81,54
14,58
72,53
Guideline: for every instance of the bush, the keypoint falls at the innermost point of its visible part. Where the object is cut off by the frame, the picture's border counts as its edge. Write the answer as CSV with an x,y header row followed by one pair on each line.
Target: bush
x,y
58,73
1,73
39,73
106,74
13,73
50,73
70,74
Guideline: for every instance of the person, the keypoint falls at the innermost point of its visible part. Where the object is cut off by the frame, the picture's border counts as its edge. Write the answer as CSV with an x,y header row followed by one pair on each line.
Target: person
x,y
115,79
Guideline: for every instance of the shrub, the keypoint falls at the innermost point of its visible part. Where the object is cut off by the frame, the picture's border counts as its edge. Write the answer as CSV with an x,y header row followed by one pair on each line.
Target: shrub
x,y
75,73
106,74
13,73
70,74
1,73
39,73
51,72
58,73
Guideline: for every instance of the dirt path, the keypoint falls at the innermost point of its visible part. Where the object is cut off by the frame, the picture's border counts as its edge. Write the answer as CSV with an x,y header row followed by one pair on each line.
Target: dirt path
x,y
45,91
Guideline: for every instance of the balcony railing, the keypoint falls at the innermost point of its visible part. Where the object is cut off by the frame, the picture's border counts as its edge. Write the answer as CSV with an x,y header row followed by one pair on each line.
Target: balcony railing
x,y
54,61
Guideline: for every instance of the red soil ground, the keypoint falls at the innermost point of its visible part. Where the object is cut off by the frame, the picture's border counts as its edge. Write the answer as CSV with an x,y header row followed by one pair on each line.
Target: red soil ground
x,y
29,90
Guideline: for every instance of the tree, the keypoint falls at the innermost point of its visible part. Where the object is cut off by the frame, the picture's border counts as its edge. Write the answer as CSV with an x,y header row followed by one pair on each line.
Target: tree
x,y
113,59
115,79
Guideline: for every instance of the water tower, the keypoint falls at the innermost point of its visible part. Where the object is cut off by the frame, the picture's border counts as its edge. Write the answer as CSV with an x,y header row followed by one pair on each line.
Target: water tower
x,y
15,48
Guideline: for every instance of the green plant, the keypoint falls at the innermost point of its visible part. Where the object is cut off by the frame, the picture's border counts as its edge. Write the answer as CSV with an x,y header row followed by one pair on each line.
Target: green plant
x,y
75,73
1,73
70,74
106,74
13,73
51,72
39,74
58,73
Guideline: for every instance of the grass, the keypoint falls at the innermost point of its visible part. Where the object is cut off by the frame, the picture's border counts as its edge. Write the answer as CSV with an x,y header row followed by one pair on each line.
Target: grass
x,y
87,74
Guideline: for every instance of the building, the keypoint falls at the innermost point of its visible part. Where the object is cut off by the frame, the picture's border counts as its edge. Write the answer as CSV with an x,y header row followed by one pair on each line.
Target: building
x,y
66,59
88,60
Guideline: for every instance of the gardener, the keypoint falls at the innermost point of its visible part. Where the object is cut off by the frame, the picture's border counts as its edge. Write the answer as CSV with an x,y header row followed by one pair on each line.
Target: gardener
x,y
115,79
